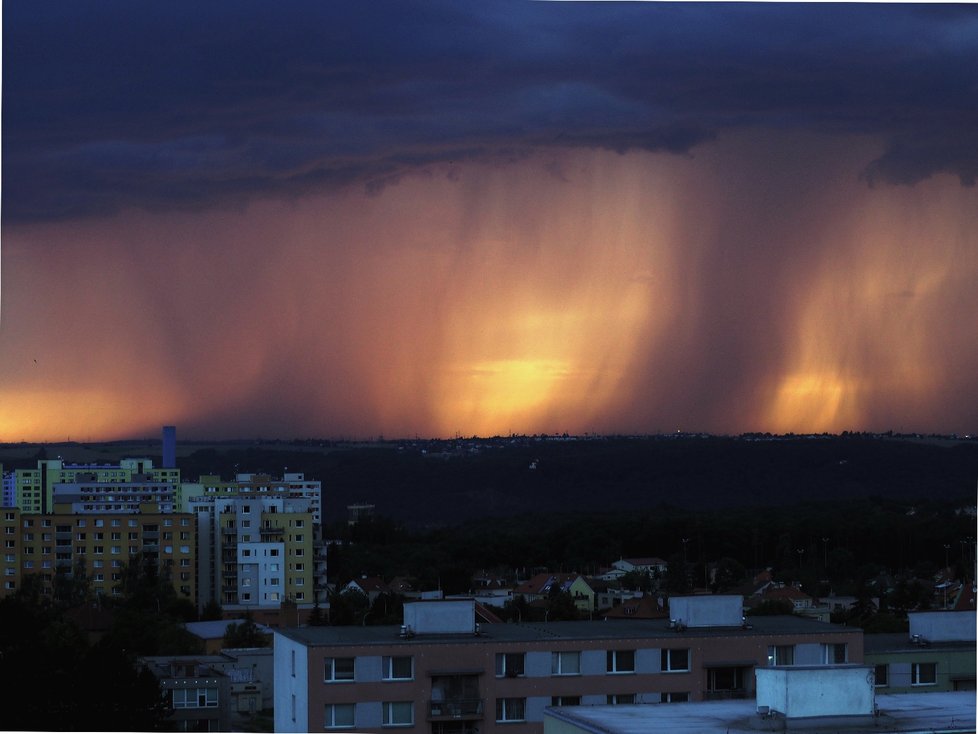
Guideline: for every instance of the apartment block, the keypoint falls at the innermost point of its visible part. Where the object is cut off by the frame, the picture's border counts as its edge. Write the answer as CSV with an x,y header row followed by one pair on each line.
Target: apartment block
x,y
442,673
53,547
256,551
937,655
32,490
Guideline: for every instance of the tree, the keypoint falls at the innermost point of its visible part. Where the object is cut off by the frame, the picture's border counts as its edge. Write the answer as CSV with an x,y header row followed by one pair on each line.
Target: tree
x,y
636,580
677,575
212,611
316,617
729,573
245,634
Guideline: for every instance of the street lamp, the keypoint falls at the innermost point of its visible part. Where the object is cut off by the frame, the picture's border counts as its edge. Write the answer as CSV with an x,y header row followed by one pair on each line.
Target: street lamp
x,y
825,552
947,550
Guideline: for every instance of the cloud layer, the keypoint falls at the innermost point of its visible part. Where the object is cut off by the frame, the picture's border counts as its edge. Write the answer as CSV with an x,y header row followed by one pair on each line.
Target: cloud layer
x,y
183,105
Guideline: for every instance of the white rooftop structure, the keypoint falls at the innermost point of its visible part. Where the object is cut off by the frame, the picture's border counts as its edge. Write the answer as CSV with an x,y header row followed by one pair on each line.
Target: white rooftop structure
x,y
949,713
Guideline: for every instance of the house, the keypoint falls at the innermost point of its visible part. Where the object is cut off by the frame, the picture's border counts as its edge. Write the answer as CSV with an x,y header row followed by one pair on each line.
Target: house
x,y
444,673
197,691
370,586
542,585
800,601
654,567
938,654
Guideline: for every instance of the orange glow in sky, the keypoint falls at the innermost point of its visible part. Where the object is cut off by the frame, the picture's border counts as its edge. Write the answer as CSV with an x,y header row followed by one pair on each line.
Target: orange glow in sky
x,y
574,291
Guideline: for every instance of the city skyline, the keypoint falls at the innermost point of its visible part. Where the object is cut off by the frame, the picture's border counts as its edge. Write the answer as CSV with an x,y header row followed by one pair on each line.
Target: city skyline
x,y
449,219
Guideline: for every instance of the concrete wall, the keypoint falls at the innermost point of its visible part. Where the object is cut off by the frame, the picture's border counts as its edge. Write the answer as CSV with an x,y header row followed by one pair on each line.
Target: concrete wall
x,y
708,611
802,692
943,626
428,617
292,686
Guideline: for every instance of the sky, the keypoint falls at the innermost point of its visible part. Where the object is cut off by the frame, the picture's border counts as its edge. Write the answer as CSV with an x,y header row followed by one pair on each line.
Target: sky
x,y
351,220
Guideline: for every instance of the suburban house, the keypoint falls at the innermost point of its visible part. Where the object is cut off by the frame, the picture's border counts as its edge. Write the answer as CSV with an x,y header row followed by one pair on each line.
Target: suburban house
x,y
654,567
542,585
444,673
370,586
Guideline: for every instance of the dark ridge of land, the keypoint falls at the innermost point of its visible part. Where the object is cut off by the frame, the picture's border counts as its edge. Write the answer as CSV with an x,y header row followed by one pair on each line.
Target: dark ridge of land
x,y
444,482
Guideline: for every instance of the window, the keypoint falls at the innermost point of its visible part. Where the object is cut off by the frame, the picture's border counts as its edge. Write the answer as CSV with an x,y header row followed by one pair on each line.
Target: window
x,y
338,670
510,664
565,663
398,713
834,653
781,655
194,698
881,675
399,668
339,716
565,701
675,660
674,698
616,699
621,661
292,661
246,509
923,674
510,709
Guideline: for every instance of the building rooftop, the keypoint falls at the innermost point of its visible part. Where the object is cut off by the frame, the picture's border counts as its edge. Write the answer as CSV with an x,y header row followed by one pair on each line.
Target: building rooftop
x,y
876,644
908,712
581,630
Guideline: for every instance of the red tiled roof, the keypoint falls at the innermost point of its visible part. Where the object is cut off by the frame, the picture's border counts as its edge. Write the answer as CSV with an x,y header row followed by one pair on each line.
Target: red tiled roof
x,y
542,582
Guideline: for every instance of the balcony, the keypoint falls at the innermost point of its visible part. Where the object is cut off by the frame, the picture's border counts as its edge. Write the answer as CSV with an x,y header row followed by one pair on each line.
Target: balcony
x,y
454,709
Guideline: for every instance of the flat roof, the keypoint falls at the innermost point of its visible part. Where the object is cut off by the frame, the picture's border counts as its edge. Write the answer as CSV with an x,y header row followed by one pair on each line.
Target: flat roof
x,y
902,712
633,629
899,642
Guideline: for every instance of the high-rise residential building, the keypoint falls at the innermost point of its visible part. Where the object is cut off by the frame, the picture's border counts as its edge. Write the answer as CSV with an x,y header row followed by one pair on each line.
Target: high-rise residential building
x,y
33,489
256,551
169,447
95,548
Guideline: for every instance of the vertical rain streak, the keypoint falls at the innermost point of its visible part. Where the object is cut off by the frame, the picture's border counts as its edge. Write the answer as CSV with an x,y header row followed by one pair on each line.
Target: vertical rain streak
x,y
749,287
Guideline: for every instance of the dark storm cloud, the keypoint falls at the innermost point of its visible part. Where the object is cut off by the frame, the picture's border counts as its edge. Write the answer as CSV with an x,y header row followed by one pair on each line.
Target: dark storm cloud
x,y
118,103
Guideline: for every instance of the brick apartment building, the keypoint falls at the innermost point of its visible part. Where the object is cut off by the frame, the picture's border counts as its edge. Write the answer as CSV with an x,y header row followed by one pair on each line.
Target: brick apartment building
x,y
442,673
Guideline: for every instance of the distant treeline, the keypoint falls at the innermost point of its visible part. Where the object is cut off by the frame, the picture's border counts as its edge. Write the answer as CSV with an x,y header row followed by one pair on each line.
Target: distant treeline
x,y
468,479
842,543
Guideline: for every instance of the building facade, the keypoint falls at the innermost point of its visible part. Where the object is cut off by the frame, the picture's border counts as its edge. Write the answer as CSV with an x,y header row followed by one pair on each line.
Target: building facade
x,y
442,673
59,547
32,490
937,655
256,552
